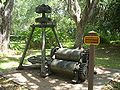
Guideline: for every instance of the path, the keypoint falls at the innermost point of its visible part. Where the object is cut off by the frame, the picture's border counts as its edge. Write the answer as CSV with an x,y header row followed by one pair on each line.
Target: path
x,y
33,81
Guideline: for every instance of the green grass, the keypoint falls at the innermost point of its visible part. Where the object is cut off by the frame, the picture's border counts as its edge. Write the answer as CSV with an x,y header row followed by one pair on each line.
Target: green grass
x,y
11,62
108,56
105,55
7,63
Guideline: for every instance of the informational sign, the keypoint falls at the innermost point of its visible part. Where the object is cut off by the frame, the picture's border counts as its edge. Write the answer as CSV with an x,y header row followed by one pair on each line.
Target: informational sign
x,y
92,40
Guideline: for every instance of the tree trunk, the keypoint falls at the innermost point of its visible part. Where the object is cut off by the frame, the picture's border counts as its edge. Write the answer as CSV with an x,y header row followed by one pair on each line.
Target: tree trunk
x,y
5,23
5,34
80,17
79,36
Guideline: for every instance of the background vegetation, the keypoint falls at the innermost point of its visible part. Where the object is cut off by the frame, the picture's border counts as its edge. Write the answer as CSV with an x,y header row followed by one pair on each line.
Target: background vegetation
x,y
106,23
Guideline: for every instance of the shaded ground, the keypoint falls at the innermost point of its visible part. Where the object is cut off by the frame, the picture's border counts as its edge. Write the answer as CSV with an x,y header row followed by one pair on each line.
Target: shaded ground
x,y
8,84
32,80
106,56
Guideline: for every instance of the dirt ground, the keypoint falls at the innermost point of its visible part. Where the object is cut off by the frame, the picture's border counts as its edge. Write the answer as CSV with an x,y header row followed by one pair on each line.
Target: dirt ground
x,y
32,81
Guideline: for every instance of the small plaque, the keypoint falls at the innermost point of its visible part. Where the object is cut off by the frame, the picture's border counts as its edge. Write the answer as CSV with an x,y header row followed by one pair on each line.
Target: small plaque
x,y
92,40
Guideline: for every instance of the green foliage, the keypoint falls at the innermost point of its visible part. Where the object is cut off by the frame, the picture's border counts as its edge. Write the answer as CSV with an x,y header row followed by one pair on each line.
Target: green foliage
x,y
36,39
112,15
111,21
15,46
24,15
65,25
107,21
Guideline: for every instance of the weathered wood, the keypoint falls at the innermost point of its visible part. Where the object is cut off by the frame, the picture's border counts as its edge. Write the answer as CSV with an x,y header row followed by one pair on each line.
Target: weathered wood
x,y
26,47
57,39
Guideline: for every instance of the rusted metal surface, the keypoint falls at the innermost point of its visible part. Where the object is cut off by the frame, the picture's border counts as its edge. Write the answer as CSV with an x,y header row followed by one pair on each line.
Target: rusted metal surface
x,y
62,65
68,54
72,62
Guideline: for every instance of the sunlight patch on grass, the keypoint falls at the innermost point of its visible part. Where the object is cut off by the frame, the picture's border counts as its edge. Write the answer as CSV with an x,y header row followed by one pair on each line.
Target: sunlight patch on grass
x,y
8,65
5,59
108,62
108,57
103,58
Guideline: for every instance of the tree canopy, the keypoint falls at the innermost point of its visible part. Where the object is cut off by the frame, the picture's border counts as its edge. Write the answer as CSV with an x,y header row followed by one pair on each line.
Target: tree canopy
x,y
104,20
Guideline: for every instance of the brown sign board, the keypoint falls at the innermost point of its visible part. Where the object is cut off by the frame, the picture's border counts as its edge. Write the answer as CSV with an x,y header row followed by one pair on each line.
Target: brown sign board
x,y
92,40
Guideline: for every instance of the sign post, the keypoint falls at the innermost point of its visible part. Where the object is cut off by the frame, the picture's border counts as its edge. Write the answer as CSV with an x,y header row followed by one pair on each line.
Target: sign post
x,y
92,39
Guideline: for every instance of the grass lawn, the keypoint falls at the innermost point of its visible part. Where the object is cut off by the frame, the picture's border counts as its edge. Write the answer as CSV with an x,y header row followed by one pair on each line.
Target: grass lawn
x,y
105,56
108,56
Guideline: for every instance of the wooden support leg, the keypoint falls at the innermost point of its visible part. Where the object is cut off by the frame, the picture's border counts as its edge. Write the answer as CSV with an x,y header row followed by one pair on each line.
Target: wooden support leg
x,y
43,69
25,50
57,39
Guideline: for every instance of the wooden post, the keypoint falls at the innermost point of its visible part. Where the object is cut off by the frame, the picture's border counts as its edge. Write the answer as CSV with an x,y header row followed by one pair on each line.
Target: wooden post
x,y
26,47
92,39
91,67
56,37
91,59
43,54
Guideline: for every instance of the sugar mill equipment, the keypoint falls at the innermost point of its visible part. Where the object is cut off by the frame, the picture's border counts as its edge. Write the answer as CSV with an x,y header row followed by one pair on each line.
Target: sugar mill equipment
x,y
73,62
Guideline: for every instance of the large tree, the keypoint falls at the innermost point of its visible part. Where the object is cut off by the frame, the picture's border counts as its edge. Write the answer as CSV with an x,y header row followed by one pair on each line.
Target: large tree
x,y
6,8
80,16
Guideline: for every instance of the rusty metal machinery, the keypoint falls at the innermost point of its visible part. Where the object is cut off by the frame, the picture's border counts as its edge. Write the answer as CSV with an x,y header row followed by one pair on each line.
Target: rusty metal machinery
x,y
42,22
61,60
70,61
